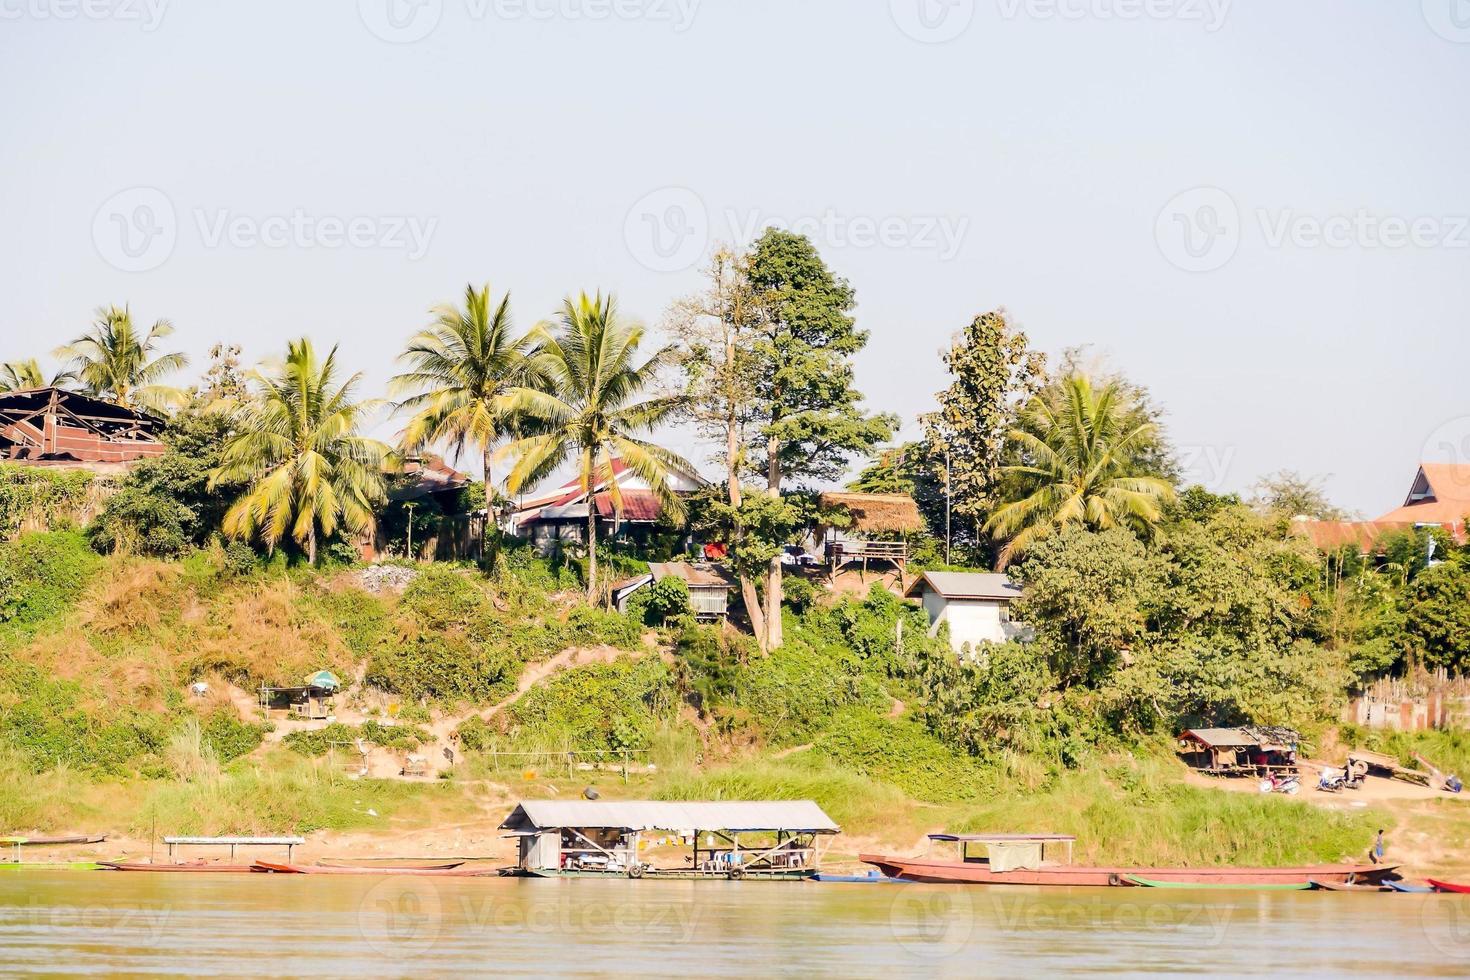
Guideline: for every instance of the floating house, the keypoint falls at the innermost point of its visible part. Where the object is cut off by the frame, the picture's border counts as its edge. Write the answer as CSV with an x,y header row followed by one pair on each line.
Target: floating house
x,y
593,838
976,605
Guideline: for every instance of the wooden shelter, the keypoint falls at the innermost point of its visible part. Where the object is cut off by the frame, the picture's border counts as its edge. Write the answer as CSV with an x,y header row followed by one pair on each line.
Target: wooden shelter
x,y
1240,751
55,427
878,523
589,838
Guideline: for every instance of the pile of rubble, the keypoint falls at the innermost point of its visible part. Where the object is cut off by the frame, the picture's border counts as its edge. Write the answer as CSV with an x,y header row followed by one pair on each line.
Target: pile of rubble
x,y
386,578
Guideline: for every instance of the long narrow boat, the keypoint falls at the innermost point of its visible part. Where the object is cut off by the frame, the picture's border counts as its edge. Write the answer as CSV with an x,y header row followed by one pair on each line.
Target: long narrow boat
x,y
1404,886
322,869
394,867
197,867
46,841
1329,886
49,866
1448,886
1150,883
1020,859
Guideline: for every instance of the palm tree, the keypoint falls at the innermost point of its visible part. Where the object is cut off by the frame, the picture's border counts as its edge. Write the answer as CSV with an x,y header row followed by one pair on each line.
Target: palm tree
x,y
297,446
1082,450
117,363
461,371
22,376
588,414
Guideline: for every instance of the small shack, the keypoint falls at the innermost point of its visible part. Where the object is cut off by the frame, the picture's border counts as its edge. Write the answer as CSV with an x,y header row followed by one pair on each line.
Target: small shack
x,y
709,587
876,528
314,700
724,840
1249,751
976,605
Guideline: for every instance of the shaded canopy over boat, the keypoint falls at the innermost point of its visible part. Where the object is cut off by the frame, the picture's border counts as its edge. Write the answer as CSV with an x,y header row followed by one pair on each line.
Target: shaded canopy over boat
x,y
791,816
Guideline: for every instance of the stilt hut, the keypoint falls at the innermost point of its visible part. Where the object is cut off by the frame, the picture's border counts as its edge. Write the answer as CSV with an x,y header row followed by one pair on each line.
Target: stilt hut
x,y
878,523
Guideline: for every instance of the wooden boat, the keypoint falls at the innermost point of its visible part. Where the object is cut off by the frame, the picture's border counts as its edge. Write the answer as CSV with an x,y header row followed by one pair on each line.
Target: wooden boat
x,y
195,867
1448,886
872,877
46,841
1020,859
49,866
326,869
1404,886
410,866
1288,886
1331,886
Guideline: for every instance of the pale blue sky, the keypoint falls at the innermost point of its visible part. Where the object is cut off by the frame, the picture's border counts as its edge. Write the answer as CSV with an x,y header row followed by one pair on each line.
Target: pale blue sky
x,y
1029,161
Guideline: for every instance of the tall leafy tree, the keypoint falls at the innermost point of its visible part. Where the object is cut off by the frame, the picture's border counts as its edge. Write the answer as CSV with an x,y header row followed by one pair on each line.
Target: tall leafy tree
x,y
992,374
808,421
590,413
716,328
118,362
460,373
297,446
1083,457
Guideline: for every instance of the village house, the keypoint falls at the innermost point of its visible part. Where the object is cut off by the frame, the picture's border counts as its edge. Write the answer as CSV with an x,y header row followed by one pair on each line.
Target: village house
x,y
1439,496
559,517
59,429
709,587
976,605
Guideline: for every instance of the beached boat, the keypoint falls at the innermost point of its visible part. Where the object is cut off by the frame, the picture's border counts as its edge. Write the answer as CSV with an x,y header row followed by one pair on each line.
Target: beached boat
x,y
392,864
1032,859
326,869
1328,886
1448,886
1404,886
195,867
49,865
49,841
1288,886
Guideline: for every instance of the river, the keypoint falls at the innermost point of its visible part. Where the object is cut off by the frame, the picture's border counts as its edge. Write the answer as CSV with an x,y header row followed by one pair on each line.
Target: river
x,y
112,923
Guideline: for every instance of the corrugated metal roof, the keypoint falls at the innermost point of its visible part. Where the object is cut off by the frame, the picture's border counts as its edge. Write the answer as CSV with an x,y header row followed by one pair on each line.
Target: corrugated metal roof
x,y
1217,737
698,576
967,585
791,815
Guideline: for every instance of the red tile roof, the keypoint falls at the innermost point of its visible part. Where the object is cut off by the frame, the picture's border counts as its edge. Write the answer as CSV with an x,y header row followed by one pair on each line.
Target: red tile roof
x,y
1443,490
638,505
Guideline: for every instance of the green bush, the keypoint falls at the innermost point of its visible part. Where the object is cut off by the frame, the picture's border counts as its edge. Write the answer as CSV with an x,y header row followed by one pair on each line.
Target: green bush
x,y
41,577
229,737
319,741
606,706
45,497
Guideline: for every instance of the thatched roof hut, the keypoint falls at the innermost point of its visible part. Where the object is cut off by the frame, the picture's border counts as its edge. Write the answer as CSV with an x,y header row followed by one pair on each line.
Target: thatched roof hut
x,y
878,513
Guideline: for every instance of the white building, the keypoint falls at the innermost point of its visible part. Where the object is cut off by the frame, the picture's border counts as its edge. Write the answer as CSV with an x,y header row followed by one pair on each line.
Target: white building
x,y
976,605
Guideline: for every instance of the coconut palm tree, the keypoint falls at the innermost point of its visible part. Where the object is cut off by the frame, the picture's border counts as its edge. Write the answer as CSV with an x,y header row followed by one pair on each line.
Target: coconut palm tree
x,y
118,363
460,372
22,376
589,414
1082,452
297,446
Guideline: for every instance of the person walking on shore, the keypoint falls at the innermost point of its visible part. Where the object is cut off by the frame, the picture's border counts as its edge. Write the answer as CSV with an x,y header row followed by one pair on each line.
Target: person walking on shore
x,y
1376,854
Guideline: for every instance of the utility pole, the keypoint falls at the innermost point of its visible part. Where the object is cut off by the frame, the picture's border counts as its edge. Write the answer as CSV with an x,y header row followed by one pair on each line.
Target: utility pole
x,y
409,507
948,497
